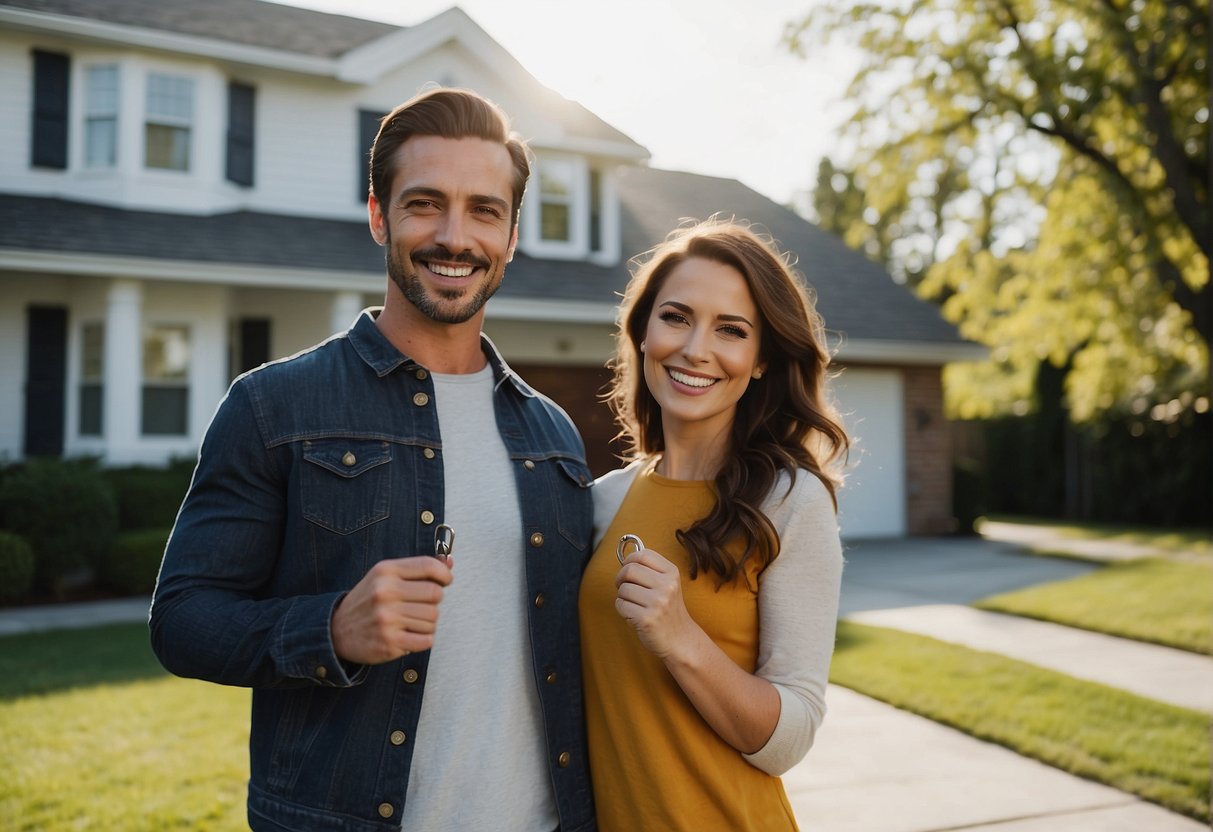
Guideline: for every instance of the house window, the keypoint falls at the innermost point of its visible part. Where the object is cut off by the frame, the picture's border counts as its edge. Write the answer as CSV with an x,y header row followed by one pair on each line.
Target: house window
x,y
101,117
557,191
596,208
170,115
92,369
166,392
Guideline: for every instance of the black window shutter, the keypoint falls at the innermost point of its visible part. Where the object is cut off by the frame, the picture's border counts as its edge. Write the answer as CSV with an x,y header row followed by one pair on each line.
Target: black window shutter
x,y
240,143
254,343
368,128
49,144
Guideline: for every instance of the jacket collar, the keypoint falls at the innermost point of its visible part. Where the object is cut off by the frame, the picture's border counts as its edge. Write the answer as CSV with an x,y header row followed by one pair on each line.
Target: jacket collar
x,y
382,357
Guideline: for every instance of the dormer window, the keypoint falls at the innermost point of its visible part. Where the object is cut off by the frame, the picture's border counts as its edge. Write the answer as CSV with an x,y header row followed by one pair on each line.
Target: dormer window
x,y
101,116
570,211
169,122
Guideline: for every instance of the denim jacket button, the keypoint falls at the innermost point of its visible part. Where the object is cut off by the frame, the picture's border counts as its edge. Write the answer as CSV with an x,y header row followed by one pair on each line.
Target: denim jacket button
x,y
537,539
529,465
428,453
550,678
427,517
421,374
386,810
563,759
539,600
410,675
321,671
397,738
421,399
349,459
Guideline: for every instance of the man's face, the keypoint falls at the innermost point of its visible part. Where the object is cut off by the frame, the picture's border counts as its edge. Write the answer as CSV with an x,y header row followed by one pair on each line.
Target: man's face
x,y
448,228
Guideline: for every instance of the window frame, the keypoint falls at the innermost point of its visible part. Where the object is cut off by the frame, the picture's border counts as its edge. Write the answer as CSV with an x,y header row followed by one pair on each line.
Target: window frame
x,y
172,121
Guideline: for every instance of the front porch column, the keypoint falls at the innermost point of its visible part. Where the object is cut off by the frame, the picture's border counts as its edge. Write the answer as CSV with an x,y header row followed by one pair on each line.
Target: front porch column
x,y
123,371
345,308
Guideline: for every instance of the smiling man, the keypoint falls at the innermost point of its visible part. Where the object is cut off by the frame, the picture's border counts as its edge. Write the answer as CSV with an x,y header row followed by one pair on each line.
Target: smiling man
x,y
302,565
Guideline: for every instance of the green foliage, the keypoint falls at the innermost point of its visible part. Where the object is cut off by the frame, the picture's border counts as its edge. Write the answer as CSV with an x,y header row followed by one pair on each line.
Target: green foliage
x,y
16,566
148,498
67,512
1041,167
132,563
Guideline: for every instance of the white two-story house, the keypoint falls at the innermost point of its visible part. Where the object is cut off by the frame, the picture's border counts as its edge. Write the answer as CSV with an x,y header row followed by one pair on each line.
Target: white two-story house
x,y
183,197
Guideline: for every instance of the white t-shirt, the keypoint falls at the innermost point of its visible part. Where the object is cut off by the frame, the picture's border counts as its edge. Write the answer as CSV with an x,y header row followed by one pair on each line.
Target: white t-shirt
x,y
480,755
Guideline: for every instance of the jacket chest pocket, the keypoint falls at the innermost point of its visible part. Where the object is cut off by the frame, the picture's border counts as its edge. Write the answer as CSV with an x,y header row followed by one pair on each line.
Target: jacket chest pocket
x,y
345,484
571,495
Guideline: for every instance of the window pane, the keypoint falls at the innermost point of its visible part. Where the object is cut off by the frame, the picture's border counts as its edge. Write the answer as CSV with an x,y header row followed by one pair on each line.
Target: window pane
x,y
90,409
102,91
166,353
170,98
167,147
100,142
556,179
554,222
92,351
164,411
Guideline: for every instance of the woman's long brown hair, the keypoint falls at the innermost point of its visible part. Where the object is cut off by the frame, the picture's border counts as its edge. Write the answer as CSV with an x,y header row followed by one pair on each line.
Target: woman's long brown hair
x,y
783,421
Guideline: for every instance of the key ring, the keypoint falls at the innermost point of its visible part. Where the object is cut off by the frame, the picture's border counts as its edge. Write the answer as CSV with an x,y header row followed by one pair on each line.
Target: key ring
x,y
444,542
621,551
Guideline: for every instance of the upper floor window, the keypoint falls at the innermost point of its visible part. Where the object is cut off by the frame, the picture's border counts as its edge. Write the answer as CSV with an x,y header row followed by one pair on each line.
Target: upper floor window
x,y
570,211
169,122
101,116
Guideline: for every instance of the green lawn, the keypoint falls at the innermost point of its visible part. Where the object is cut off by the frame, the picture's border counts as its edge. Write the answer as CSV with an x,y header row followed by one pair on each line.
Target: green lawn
x,y
1191,541
1157,751
94,735
1153,599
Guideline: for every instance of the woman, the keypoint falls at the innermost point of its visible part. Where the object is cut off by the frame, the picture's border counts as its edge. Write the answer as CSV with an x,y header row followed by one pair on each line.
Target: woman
x,y
706,653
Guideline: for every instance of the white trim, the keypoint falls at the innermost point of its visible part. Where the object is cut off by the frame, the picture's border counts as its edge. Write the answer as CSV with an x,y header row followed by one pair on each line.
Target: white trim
x,y
913,353
560,311
232,274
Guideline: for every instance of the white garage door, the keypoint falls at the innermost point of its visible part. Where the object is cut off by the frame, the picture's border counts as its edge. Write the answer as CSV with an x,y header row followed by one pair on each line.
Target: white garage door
x,y
872,502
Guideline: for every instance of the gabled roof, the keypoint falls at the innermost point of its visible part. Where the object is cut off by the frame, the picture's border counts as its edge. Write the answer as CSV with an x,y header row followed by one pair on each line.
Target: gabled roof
x,y
250,22
854,295
349,49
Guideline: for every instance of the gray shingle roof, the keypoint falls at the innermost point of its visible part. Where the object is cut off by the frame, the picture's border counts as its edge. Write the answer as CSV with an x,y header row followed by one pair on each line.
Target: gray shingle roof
x,y
249,22
855,295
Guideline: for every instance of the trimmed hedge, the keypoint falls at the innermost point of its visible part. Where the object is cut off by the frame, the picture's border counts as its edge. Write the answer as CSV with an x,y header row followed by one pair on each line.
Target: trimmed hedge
x,y
132,563
66,511
16,566
148,498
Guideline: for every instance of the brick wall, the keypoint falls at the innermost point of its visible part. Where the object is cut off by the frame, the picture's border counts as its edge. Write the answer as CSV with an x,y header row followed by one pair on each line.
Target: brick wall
x,y
928,443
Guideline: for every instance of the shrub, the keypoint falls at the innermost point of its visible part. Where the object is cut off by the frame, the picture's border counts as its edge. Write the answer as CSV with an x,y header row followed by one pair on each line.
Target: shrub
x,y
16,566
133,561
66,511
148,498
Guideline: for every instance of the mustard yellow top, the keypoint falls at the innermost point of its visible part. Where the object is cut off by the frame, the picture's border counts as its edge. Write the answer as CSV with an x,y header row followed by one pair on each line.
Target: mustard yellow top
x,y
654,761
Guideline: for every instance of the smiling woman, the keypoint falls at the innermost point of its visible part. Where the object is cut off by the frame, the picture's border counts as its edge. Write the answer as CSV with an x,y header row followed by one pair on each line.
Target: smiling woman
x,y
706,649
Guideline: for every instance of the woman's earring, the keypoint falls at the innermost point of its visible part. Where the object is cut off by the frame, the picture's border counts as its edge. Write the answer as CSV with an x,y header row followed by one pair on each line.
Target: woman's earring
x,y
642,346
757,374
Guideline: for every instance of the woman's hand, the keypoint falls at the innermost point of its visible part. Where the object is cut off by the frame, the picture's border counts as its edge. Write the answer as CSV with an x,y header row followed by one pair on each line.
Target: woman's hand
x,y
648,593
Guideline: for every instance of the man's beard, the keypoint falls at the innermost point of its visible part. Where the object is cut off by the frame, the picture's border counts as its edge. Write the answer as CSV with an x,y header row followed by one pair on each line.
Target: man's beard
x,y
433,306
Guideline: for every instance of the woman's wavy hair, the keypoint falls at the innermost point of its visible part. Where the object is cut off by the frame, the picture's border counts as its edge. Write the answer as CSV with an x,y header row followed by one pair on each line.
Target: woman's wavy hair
x,y
784,421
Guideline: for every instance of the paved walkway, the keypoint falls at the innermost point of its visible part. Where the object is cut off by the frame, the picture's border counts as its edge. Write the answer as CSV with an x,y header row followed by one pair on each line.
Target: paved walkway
x,y
875,768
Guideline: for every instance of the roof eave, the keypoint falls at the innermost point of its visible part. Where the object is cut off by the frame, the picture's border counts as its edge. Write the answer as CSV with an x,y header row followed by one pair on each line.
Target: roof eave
x,y
915,353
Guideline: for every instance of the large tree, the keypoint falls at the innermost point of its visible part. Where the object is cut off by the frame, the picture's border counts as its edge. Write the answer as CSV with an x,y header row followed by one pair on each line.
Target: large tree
x,y
1041,167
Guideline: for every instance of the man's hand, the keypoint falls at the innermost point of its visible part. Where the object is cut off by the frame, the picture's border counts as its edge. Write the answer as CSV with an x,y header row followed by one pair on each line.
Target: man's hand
x,y
391,612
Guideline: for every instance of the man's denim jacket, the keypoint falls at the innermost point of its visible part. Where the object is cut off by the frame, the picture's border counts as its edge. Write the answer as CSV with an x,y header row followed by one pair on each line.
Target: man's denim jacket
x,y
313,469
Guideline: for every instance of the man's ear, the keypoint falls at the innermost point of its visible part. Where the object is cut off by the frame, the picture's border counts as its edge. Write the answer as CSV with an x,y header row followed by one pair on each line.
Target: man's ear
x,y
376,220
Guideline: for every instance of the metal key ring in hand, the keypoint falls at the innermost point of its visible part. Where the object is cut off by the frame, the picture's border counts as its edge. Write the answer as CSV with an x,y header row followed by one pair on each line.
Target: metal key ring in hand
x,y
628,540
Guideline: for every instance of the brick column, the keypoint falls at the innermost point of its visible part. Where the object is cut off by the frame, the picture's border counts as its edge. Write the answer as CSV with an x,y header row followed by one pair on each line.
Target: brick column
x,y
928,449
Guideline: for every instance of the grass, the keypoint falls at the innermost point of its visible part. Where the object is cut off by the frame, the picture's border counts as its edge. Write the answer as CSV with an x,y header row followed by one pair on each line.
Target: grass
x,y
1156,600
1190,541
94,735
1157,751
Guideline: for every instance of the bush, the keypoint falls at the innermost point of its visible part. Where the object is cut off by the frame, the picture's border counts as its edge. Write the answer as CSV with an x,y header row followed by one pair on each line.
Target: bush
x,y
133,561
16,566
66,511
148,498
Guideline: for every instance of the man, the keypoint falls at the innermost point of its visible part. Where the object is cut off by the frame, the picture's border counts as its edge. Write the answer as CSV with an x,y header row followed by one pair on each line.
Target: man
x,y
302,563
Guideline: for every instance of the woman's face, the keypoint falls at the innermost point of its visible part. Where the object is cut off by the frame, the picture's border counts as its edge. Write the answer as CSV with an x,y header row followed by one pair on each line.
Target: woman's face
x,y
701,345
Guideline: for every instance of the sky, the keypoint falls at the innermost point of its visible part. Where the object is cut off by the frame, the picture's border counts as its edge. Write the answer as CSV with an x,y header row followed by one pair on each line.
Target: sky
x,y
704,85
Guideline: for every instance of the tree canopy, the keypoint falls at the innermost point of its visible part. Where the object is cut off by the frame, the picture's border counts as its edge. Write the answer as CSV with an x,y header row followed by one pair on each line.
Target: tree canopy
x,y
1041,167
